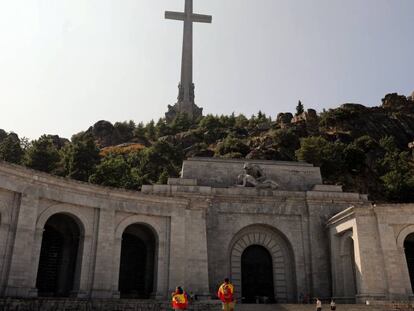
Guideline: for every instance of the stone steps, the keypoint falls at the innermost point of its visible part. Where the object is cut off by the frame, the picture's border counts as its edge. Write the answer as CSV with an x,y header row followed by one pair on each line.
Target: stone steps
x,y
308,307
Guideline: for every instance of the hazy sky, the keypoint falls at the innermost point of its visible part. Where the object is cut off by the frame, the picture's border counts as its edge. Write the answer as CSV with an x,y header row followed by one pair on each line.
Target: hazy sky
x,y
65,64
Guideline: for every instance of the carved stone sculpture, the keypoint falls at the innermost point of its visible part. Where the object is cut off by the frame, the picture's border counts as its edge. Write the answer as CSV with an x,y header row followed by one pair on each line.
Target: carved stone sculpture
x,y
254,176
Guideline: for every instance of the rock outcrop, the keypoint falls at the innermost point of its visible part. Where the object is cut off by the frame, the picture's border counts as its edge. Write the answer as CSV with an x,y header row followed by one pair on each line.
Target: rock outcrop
x,y
394,118
284,120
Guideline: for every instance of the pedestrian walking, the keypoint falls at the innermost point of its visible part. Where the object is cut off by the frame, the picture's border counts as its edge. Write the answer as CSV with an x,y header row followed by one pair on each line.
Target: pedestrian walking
x,y
318,305
333,305
226,295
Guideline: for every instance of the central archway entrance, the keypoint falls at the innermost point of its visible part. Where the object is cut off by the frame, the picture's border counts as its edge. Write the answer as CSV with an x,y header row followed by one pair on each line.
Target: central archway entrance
x,y
262,265
257,275
409,256
58,263
136,276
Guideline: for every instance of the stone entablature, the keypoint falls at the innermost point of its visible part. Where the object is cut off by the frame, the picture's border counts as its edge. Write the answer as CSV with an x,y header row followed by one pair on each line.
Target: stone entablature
x,y
27,181
176,190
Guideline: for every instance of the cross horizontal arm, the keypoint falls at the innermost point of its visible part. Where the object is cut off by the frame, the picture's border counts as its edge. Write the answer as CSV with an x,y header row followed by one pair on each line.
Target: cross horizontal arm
x,y
175,15
201,18
198,18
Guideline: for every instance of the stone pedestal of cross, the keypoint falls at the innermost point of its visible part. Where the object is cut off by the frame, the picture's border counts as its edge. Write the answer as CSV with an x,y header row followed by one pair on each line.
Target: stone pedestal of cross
x,y
185,103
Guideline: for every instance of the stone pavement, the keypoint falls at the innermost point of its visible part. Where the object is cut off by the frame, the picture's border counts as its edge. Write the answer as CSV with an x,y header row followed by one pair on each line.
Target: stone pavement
x,y
45,304
311,307
73,304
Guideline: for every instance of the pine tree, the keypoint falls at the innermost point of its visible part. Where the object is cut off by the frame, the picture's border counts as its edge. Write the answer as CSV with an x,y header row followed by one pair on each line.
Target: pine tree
x,y
299,109
43,155
82,156
10,149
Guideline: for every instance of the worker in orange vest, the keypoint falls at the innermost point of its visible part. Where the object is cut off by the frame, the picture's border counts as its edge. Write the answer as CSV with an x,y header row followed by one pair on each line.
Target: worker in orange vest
x,y
179,299
226,295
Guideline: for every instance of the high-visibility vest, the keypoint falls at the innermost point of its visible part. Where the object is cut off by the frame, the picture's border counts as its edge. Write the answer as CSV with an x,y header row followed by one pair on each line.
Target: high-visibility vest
x,y
179,301
226,292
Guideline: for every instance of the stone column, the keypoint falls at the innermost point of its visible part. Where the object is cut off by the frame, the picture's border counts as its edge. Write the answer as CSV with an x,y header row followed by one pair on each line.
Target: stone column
x,y
337,285
163,259
104,262
21,277
196,277
83,272
178,261
5,237
369,260
319,248
37,245
116,251
393,269
405,277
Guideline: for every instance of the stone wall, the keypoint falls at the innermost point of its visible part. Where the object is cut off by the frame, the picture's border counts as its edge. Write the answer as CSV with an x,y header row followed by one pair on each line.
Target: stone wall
x,y
28,199
200,231
223,173
296,217
378,233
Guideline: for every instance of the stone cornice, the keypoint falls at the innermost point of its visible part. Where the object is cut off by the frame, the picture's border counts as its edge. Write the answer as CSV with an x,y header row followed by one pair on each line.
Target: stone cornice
x,y
345,214
253,194
336,196
268,162
36,179
393,206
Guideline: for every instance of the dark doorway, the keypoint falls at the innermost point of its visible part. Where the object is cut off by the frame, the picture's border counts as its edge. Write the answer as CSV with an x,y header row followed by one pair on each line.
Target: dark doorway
x,y
136,276
349,268
409,255
257,275
58,257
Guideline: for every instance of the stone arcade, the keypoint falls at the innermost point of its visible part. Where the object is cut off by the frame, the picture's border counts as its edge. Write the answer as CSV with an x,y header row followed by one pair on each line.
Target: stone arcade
x,y
62,238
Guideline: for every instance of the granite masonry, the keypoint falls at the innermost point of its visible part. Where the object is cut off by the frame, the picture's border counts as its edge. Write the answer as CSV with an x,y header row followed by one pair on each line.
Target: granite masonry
x,y
62,238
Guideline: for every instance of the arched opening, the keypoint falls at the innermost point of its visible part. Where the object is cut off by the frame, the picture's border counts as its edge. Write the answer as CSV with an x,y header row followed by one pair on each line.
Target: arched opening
x,y
409,256
348,264
136,275
257,275
274,245
58,263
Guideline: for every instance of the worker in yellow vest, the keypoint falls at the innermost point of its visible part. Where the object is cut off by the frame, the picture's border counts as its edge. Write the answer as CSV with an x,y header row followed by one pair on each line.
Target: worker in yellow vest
x,y
179,299
226,295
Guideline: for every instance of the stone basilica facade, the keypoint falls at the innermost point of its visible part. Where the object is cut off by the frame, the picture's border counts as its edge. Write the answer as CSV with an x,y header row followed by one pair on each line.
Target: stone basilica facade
x,y
283,238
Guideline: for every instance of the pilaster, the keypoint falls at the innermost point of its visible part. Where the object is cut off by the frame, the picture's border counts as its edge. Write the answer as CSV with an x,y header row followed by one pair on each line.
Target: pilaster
x,y
21,278
196,277
104,262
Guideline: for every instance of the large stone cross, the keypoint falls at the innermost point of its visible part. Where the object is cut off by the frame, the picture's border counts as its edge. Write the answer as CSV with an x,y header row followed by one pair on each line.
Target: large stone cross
x,y
185,102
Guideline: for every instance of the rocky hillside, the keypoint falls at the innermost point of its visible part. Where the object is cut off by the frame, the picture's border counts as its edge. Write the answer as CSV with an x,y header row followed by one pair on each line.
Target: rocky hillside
x,y
365,149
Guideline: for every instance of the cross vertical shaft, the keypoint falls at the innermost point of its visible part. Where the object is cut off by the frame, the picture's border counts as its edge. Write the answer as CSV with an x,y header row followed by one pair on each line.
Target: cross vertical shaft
x,y
185,103
187,53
